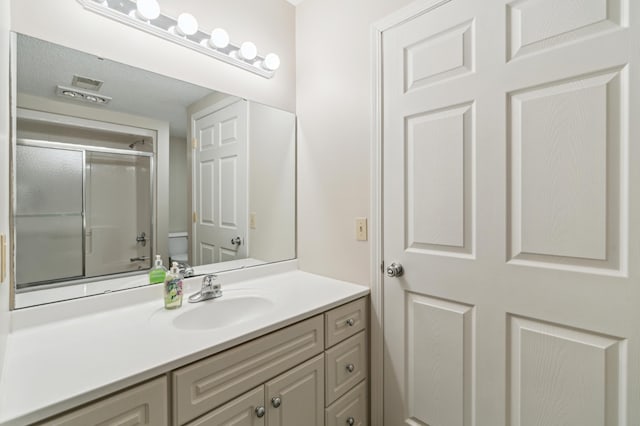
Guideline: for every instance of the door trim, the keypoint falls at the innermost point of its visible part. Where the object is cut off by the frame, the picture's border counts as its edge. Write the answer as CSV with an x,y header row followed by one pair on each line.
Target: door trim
x,y
411,11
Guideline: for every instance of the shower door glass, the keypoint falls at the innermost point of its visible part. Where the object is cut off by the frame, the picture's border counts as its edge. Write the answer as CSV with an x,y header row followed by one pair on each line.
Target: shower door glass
x,y
49,214
118,227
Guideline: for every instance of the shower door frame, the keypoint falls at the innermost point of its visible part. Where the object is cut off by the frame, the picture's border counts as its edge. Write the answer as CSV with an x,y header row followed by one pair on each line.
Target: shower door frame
x,y
84,149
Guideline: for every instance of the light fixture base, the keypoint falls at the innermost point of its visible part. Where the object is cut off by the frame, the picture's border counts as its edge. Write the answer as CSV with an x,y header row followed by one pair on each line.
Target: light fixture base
x,y
120,10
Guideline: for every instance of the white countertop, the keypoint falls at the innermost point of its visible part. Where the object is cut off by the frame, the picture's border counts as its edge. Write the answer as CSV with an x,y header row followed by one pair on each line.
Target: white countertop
x,y
56,361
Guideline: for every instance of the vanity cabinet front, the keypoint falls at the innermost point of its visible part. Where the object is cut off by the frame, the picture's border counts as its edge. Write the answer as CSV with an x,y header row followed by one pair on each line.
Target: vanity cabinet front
x,y
207,384
142,405
311,373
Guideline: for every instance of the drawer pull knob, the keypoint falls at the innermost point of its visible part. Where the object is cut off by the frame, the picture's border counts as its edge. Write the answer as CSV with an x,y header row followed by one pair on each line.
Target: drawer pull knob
x,y
260,411
275,401
350,368
351,421
350,322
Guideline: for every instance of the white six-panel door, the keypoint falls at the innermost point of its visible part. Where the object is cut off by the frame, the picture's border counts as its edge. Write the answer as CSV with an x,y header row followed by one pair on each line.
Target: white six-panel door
x,y
220,185
511,197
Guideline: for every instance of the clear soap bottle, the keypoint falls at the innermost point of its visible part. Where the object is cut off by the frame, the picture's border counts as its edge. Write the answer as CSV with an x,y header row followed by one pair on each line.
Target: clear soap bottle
x,y
158,272
173,288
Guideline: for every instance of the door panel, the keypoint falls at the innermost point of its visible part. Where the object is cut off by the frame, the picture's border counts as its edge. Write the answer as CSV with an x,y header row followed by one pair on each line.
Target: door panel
x,y
565,144
509,182
439,199
440,334
555,359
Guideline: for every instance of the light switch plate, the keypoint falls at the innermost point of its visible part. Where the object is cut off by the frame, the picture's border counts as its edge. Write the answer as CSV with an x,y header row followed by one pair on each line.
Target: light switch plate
x,y
361,228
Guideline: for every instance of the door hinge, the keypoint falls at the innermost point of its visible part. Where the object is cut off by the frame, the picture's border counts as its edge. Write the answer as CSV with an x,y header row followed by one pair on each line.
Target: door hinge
x,y
194,143
195,217
382,267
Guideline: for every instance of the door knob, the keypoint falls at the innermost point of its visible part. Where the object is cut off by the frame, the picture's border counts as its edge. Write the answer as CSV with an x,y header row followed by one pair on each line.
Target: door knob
x,y
275,401
395,270
260,411
350,368
351,421
236,241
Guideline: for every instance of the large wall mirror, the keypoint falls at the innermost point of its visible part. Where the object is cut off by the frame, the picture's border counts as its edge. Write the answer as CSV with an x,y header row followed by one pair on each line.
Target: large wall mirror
x,y
113,165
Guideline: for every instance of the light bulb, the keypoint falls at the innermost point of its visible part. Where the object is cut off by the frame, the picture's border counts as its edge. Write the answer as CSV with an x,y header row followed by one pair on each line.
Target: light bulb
x,y
271,62
147,10
219,39
187,25
248,51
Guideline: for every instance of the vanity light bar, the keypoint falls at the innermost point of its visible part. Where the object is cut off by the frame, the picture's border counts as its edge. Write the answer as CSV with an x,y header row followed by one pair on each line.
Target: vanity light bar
x,y
145,15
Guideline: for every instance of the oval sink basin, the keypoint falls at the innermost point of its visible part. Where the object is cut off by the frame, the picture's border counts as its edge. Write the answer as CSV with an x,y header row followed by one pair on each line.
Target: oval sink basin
x,y
223,312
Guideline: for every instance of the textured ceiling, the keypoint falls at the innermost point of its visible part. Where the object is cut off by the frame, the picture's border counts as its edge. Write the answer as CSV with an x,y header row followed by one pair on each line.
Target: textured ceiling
x,y
42,66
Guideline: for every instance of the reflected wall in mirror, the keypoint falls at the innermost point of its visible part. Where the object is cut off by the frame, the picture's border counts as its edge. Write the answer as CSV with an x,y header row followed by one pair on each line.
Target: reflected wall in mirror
x,y
114,164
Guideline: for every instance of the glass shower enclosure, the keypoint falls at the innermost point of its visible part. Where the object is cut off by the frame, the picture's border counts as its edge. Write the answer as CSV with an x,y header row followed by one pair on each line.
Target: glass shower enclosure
x,y
80,212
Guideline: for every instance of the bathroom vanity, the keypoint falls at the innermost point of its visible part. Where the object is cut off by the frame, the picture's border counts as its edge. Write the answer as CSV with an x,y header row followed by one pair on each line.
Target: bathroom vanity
x,y
281,347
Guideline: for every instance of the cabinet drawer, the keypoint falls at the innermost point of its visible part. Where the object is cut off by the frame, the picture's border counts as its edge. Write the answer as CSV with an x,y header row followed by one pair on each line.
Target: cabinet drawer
x,y
144,404
351,406
238,412
345,321
347,364
207,384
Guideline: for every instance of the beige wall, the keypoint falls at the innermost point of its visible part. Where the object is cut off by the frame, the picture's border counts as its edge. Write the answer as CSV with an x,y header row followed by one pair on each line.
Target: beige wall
x,y
333,106
268,23
4,168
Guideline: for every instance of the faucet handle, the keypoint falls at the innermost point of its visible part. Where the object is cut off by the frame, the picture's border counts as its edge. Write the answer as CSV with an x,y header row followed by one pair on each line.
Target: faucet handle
x,y
207,281
211,288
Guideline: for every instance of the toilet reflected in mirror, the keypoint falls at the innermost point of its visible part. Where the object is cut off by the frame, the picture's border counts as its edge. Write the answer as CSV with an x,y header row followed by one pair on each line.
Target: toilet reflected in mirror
x,y
179,247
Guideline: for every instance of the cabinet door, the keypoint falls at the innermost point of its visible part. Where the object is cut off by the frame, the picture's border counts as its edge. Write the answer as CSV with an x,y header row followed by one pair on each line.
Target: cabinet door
x,y
297,397
245,410
143,405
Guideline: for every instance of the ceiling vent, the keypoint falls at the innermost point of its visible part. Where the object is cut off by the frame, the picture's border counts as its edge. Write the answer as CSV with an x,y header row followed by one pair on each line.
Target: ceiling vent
x,y
86,83
82,95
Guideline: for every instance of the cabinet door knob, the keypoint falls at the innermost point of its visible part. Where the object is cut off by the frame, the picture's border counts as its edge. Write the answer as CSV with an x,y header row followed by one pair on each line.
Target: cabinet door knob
x,y
260,411
351,421
350,322
350,368
276,401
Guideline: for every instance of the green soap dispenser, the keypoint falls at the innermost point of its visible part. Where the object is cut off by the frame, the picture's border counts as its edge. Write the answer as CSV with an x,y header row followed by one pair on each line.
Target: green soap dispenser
x,y
158,272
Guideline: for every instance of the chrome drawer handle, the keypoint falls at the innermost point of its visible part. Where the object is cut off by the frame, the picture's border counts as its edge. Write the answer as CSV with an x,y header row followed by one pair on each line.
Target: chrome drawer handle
x,y
351,421
275,401
350,322
350,368
260,411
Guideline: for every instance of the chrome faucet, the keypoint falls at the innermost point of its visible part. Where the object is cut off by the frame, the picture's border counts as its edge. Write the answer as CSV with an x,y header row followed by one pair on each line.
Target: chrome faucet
x,y
209,290
185,269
